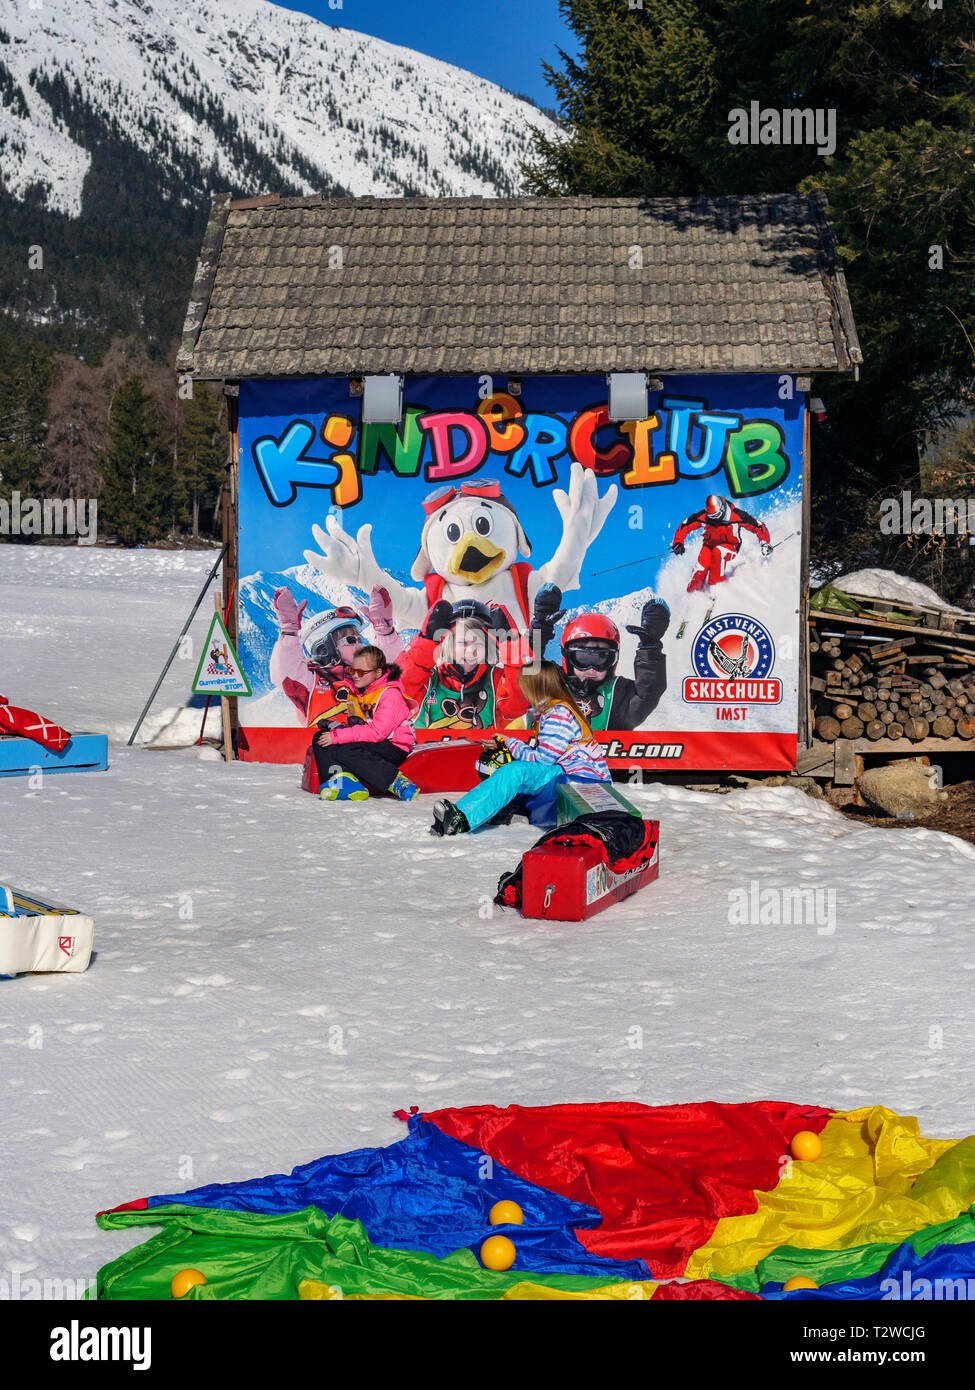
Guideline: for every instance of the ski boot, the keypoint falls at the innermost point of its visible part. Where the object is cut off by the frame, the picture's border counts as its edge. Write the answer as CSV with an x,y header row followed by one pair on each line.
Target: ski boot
x,y
448,819
343,787
403,788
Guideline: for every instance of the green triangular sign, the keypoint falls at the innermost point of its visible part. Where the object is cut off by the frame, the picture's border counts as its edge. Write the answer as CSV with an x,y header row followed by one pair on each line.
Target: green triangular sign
x,y
219,671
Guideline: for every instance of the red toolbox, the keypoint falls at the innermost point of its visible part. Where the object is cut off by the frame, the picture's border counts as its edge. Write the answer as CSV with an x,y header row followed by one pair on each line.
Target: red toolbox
x,y
567,883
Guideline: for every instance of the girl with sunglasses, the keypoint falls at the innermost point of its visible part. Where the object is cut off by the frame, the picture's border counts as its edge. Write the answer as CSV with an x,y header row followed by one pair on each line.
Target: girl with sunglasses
x,y
376,739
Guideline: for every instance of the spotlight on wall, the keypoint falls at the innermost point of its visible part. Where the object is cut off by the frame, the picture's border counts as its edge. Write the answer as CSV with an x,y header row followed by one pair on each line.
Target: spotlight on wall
x,y
514,385
627,395
382,399
355,385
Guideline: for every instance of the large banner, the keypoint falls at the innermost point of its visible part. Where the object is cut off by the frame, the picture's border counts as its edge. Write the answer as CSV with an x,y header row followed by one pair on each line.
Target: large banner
x,y
658,561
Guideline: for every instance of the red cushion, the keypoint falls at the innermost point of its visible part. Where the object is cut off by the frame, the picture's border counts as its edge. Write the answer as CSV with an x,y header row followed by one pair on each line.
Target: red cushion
x,y
27,724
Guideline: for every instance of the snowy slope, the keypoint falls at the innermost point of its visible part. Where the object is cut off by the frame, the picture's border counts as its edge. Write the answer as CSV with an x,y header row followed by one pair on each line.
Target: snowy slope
x,y
274,976
226,83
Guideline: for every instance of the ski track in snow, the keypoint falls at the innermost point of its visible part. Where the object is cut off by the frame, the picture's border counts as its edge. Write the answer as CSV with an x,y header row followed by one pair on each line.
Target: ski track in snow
x,y
273,977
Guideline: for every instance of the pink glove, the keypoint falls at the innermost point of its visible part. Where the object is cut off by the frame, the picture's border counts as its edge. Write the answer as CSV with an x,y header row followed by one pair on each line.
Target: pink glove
x,y
288,613
380,612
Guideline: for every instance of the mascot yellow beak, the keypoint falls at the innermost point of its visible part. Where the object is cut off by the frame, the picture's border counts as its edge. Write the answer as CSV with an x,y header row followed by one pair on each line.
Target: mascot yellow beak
x,y
475,559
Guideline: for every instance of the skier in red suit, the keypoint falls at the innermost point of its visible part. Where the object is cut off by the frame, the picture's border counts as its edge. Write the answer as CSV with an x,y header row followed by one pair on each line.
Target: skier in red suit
x,y
723,524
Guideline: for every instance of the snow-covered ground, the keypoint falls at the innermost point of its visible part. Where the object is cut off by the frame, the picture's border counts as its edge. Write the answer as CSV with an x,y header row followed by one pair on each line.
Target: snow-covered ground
x,y
274,976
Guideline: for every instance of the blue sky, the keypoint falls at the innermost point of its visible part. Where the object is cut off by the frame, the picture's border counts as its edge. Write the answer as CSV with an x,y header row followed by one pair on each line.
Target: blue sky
x,y
505,41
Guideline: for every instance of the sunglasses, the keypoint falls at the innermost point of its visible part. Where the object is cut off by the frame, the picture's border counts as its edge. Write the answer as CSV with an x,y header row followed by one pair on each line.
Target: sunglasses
x,y
364,670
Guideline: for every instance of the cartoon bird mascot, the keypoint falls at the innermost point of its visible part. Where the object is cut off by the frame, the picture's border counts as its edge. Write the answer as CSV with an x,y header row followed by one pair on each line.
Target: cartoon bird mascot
x,y
469,548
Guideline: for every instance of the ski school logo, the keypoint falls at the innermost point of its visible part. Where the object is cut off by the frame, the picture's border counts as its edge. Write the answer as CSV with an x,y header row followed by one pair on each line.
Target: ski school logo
x,y
732,656
66,944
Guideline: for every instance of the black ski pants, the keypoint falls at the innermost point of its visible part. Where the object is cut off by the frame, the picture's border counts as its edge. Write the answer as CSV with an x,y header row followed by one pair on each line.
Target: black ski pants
x,y
375,764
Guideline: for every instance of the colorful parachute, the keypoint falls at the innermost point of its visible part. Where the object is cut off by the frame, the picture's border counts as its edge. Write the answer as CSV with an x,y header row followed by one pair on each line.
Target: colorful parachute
x,y
616,1198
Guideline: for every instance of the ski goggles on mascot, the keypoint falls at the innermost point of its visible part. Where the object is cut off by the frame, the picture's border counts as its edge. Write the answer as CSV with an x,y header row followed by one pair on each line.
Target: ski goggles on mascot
x,y
441,496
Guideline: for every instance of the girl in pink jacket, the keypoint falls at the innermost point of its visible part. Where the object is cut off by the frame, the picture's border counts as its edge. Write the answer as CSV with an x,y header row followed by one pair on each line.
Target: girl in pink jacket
x,y
378,736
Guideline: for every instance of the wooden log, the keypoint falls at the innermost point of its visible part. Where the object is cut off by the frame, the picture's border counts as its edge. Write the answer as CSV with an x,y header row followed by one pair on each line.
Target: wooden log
x,y
842,711
895,730
965,726
936,679
875,729
916,729
869,692
833,678
827,728
956,687
866,711
844,763
886,717
817,683
942,727
852,727
893,648
854,662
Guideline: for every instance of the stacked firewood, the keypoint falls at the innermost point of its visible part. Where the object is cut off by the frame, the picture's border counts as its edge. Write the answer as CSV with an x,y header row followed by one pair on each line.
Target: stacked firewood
x,y
873,677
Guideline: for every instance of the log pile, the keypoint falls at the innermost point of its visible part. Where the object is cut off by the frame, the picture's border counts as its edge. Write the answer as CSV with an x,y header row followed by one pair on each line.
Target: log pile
x,y
893,671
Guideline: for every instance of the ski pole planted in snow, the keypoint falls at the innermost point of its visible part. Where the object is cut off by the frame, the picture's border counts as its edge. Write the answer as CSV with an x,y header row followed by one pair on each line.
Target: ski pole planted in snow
x,y
172,654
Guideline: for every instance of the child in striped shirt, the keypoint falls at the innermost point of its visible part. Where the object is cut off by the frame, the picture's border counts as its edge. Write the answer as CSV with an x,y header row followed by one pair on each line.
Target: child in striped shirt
x,y
563,747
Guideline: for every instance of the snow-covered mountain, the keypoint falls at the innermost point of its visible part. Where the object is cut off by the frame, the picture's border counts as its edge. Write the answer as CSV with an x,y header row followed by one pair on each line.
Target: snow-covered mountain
x,y
243,95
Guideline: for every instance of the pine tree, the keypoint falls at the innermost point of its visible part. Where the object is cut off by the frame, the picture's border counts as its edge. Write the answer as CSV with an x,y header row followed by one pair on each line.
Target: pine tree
x,y
201,465
135,502
26,373
646,104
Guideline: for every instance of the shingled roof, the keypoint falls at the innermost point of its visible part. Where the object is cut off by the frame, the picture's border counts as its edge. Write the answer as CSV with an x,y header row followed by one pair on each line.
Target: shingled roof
x,y
517,286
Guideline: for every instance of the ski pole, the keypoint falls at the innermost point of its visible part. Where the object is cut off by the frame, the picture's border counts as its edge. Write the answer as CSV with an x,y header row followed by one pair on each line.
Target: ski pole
x,y
172,654
785,538
642,561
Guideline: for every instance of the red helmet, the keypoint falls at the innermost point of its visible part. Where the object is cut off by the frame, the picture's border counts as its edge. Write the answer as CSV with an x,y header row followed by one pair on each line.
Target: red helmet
x,y
590,642
717,508
591,627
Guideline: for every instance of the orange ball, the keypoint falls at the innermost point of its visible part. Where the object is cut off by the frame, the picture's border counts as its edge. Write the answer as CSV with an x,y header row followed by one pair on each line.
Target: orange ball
x,y
498,1253
506,1214
184,1280
799,1281
806,1145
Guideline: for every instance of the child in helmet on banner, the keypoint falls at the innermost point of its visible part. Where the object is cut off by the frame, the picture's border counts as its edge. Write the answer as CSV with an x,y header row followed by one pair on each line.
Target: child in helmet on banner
x,y
377,737
590,655
310,660
454,669
723,524
563,747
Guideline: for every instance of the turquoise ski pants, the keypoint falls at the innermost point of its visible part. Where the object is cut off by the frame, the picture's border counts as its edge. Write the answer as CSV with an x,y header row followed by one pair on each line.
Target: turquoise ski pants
x,y
513,779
